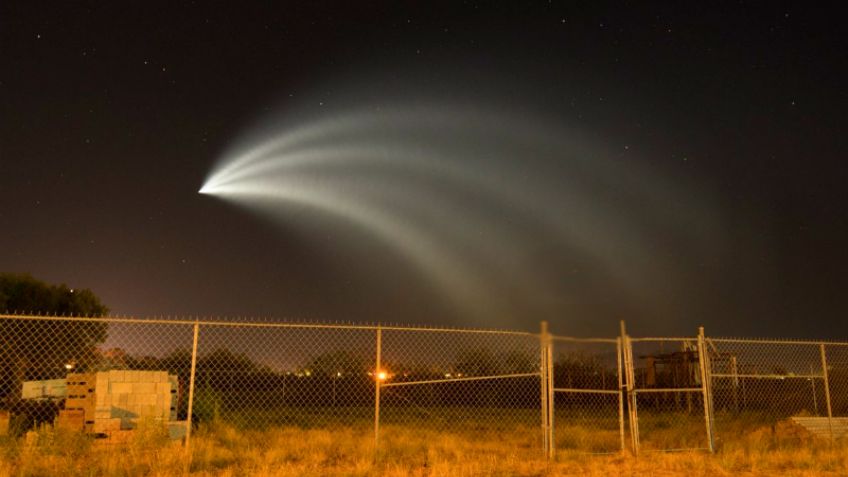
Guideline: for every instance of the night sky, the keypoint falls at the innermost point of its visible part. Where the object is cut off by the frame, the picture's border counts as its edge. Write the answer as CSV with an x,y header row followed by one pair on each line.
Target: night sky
x,y
112,117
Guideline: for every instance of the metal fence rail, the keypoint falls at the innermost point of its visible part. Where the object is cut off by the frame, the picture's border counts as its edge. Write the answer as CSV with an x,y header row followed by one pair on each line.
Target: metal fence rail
x,y
540,392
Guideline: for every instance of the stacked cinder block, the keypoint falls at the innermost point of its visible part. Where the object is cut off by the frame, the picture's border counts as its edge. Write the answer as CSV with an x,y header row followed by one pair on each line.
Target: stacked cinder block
x,y
118,399
71,420
80,399
175,386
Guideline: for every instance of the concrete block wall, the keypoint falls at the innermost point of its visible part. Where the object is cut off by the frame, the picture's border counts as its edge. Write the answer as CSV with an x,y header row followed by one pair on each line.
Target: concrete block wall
x,y
118,399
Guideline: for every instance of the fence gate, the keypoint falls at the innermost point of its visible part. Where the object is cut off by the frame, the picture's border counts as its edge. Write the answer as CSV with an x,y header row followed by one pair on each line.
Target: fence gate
x,y
668,394
587,406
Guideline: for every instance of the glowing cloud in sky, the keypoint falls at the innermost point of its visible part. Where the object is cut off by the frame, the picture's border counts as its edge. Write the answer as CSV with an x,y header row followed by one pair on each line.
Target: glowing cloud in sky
x,y
488,206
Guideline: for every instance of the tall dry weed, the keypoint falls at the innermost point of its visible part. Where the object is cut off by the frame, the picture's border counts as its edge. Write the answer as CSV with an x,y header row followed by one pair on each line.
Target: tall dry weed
x,y
220,450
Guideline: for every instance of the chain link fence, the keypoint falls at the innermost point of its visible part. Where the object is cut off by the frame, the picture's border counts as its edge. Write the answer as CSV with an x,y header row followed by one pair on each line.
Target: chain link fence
x,y
779,382
539,393
478,385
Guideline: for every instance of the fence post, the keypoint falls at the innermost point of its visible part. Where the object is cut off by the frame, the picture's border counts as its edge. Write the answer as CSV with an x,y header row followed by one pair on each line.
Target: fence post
x,y
377,381
543,382
709,368
191,388
734,371
551,400
629,388
825,376
703,361
618,352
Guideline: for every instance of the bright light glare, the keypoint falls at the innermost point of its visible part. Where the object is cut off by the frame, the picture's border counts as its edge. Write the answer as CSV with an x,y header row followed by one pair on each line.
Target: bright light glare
x,y
381,376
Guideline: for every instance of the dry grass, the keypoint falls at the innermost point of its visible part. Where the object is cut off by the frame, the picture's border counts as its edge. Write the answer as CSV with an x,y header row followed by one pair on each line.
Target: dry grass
x,y
221,450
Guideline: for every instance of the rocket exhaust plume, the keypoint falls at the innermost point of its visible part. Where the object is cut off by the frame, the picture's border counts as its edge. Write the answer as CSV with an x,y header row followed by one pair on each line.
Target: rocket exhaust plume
x,y
492,208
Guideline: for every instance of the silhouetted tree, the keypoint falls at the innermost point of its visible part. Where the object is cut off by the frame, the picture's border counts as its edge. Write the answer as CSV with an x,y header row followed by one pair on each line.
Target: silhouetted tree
x,y
483,362
518,362
334,362
40,349
584,370
224,360
477,362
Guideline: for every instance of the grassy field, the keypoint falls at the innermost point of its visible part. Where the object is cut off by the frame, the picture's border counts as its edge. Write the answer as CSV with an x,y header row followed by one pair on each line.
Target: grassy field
x,y
748,449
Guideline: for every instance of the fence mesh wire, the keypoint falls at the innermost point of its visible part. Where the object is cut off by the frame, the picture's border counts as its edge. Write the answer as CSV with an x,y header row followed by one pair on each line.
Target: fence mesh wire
x,y
837,362
773,379
106,378
477,386
260,376
51,369
778,386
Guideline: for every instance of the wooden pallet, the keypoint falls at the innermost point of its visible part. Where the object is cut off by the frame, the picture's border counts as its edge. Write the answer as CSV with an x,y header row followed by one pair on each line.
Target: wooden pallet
x,y
819,426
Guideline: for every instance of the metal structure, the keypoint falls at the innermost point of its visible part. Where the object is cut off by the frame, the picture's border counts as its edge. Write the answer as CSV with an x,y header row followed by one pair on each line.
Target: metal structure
x,y
592,395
